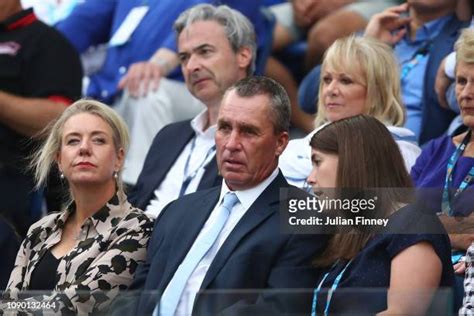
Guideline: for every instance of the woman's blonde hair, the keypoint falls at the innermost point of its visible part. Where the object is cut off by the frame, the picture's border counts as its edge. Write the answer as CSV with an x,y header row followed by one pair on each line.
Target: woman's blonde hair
x,y
43,159
373,65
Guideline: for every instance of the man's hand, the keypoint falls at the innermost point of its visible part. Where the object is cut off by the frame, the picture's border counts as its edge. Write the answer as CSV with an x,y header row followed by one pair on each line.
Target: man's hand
x,y
304,12
308,12
141,78
442,84
388,26
145,76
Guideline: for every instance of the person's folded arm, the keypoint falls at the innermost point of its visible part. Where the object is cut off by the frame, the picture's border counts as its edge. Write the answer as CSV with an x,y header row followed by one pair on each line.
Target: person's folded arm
x,y
412,285
28,116
290,282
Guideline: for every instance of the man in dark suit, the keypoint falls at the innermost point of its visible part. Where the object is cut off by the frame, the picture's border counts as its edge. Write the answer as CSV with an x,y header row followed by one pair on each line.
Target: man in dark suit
x,y
216,48
250,253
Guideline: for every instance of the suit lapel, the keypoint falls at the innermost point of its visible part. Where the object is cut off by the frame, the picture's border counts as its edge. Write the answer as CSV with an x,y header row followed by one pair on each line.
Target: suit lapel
x,y
189,229
210,176
166,156
265,205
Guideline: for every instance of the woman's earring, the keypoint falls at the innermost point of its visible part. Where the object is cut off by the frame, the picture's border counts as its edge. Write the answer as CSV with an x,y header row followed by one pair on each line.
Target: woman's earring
x,y
115,174
61,175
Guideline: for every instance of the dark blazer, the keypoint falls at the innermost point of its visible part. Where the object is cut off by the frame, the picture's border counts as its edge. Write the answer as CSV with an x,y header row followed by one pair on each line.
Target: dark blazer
x,y
165,149
435,119
256,255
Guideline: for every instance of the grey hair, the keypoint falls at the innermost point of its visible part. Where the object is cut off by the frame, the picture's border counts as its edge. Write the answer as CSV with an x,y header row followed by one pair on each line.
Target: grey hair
x,y
238,29
279,100
44,158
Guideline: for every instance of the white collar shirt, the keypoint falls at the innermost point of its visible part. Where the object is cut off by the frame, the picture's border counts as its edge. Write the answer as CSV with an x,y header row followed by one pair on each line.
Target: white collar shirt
x,y
192,162
246,199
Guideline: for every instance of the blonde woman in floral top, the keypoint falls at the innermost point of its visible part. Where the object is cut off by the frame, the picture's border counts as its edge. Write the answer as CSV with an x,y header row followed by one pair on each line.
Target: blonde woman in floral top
x,y
81,257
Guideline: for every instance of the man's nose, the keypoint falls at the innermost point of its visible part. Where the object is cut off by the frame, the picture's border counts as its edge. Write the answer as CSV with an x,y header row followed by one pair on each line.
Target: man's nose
x,y
233,141
193,63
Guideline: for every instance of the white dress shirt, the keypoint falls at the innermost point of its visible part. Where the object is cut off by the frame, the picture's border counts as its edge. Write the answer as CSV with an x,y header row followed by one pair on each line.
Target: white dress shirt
x,y
196,155
246,199
295,162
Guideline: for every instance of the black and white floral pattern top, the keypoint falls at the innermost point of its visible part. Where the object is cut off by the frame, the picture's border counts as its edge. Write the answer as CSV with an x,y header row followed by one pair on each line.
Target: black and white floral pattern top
x,y
111,245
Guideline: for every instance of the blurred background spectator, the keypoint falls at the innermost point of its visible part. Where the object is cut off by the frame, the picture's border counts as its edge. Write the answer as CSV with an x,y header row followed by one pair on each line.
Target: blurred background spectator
x,y
421,40
40,74
304,30
51,11
141,52
9,245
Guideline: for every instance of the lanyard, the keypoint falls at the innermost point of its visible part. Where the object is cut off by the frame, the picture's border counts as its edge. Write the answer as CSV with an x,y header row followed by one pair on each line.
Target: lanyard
x,y
334,286
415,60
445,203
188,177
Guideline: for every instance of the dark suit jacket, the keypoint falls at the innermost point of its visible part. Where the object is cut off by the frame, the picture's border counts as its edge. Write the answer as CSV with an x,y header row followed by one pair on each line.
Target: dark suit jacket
x,y
165,149
256,255
435,119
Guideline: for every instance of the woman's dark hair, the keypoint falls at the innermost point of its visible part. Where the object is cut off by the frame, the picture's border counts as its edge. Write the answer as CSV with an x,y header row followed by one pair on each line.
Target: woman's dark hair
x,y
369,161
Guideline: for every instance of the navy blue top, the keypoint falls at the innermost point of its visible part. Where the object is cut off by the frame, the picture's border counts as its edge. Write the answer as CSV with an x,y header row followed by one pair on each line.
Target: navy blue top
x,y
429,171
371,267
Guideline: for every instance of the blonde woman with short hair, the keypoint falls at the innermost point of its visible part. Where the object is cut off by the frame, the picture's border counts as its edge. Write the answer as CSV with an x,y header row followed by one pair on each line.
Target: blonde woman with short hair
x,y
82,257
359,75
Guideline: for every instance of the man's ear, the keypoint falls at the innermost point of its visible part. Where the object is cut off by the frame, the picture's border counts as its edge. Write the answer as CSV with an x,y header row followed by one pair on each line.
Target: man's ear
x,y
282,142
244,57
